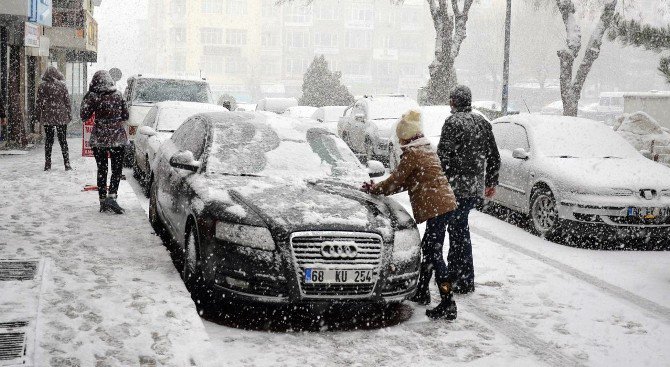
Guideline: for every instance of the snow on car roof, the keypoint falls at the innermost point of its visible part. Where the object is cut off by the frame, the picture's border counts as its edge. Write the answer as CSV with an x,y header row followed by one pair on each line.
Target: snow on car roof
x,y
168,77
172,114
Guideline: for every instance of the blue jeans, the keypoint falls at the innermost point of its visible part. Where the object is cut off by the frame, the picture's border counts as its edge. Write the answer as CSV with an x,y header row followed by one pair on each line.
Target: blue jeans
x,y
431,248
461,270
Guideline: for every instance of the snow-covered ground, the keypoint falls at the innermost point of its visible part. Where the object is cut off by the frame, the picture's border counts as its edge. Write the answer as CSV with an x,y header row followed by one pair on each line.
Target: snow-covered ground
x,y
110,295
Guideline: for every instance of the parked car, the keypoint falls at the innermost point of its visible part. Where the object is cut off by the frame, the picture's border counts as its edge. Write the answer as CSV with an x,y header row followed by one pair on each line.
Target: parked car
x,y
329,116
432,120
646,135
267,208
143,91
573,175
367,125
276,105
159,124
609,107
302,112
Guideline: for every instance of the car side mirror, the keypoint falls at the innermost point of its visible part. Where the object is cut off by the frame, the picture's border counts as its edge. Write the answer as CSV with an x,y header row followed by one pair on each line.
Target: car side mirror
x,y
376,169
360,117
520,153
147,130
184,159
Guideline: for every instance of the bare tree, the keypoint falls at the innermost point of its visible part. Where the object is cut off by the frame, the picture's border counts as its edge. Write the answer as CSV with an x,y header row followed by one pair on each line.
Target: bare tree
x,y
572,81
450,32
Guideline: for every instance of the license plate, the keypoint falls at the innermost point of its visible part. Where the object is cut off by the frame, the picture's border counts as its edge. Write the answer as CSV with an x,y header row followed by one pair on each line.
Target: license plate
x,y
649,213
331,276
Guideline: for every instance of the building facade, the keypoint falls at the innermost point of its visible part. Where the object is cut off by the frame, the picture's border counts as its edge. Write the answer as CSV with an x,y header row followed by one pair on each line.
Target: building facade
x,y
34,34
255,48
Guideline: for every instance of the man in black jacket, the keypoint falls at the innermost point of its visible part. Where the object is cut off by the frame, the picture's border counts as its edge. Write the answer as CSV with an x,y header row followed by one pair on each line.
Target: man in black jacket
x,y
471,161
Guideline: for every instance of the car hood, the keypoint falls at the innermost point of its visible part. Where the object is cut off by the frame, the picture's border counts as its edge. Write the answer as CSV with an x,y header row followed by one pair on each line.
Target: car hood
x,y
301,205
629,173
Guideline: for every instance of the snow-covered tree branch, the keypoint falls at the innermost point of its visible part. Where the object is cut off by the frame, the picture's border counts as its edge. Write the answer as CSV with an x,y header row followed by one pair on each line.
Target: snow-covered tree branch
x,y
572,82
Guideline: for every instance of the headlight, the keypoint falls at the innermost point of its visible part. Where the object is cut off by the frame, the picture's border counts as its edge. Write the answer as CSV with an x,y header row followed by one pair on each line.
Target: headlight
x,y
406,245
245,235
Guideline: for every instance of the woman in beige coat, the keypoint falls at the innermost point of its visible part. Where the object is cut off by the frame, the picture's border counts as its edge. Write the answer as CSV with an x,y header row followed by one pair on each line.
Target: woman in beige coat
x,y
420,173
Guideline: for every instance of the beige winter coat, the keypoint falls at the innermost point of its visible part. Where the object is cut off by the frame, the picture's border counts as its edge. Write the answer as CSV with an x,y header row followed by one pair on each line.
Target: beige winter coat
x,y
419,172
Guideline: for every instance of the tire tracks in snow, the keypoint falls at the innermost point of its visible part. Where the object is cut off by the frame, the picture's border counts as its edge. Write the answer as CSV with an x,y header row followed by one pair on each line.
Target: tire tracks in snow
x,y
546,352
652,307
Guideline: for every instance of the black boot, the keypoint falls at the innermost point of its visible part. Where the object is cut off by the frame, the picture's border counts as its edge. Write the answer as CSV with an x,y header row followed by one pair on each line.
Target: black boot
x,y
47,165
447,308
422,295
67,166
111,204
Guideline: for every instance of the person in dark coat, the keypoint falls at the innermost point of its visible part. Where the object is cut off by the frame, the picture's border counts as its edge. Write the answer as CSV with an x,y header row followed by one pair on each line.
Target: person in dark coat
x,y
108,108
54,112
470,158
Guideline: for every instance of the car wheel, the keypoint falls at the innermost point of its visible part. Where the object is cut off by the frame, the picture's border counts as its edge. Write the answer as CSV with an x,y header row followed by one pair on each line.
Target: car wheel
x,y
146,189
544,214
154,218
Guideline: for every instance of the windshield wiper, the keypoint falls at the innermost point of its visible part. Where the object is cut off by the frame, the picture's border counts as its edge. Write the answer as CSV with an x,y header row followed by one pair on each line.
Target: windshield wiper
x,y
239,174
385,118
612,157
166,131
566,156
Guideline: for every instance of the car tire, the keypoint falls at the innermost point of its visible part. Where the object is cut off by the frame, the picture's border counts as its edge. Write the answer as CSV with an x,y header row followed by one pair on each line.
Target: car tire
x,y
154,217
190,272
544,220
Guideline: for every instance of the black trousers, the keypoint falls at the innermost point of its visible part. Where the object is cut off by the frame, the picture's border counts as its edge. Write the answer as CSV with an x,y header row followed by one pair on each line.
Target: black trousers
x,y
116,156
61,131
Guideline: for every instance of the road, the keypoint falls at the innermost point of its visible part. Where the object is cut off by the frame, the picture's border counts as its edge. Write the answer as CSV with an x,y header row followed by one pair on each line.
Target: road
x,y
537,303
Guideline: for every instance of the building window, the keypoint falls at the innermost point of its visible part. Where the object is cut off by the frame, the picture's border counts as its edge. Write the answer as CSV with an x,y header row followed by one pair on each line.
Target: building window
x,y
236,65
362,13
236,7
325,39
177,35
355,68
212,6
269,39
211,36
389,42
296,66
358,39
236,37
299,14
212,64
410,42
297,39
325,12
270,67
269,8
178,7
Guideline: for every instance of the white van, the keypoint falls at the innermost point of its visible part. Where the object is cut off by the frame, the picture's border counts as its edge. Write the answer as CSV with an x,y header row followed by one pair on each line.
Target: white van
x,y
144,91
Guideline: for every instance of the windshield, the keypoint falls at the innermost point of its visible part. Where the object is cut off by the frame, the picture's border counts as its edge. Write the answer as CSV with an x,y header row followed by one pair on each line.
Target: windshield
x,y
580,139
248,148
160,90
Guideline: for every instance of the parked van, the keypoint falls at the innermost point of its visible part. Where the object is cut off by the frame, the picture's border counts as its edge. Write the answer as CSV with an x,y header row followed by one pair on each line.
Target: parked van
x,y
144,91
610,106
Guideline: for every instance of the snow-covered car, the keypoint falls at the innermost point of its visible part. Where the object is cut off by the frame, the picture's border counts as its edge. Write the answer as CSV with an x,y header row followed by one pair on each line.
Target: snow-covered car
x,y
367,125
276,105
159,124
646,135
432,120
143,91
577,176
267,208
301,112
329,116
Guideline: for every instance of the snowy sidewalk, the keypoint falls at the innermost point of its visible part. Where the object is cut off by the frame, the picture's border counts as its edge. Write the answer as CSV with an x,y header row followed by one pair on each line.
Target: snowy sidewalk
x,y
104,292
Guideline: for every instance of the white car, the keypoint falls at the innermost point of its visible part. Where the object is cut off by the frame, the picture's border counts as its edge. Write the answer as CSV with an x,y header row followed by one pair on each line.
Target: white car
x,y
368,125
301,112
143,91
329,116
577,176
432,120
159,124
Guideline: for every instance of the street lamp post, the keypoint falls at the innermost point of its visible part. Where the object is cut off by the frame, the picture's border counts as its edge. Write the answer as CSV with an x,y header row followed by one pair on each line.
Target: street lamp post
x,y
505,88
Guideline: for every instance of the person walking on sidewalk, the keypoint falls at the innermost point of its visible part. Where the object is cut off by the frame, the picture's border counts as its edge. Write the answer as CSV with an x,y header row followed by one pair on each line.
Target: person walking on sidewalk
x,y
470,158
108,137
433,201
54,112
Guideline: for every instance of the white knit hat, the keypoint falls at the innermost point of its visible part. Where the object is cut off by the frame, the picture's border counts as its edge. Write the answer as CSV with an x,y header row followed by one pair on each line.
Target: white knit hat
x,y
409,125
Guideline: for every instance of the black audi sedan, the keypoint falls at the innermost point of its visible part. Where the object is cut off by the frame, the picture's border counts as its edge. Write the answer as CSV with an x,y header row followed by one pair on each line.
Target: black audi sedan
x,y
267,209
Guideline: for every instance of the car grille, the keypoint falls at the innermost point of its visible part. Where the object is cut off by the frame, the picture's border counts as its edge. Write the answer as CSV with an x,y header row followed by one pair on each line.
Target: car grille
x,y
306,247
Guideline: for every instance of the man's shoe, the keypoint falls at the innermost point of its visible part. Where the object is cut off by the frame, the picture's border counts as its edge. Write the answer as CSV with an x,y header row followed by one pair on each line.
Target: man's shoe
x,y
445,310
421,298
111,204
67,166
47,166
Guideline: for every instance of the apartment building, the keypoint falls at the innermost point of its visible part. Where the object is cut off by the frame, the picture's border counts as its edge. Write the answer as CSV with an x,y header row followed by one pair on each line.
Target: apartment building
x,y
254,48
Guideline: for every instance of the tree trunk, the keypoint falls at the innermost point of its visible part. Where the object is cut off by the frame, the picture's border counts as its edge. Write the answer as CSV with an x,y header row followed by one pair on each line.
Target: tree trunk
x,y
571,87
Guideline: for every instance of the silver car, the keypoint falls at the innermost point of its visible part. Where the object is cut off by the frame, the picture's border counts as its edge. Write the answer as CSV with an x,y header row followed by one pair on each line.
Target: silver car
x,y
575,174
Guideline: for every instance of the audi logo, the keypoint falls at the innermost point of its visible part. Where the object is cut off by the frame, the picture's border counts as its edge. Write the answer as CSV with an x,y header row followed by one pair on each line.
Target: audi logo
x,y
339,251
